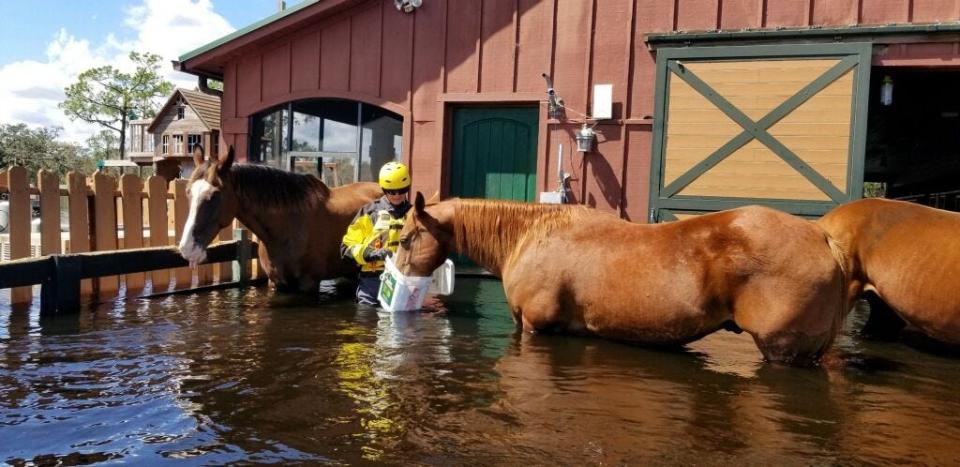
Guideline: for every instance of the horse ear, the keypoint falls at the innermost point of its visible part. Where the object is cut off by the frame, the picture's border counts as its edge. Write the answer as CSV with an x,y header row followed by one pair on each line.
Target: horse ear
x,y
226,161
197,156
418,203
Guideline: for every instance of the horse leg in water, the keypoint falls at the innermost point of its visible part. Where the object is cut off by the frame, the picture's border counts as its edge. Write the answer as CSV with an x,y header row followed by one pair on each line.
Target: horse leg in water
x,y
884,323
793,327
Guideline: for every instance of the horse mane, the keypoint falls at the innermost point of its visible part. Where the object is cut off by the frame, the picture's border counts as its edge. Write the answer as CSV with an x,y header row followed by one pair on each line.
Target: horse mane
x,y
271,188
489,231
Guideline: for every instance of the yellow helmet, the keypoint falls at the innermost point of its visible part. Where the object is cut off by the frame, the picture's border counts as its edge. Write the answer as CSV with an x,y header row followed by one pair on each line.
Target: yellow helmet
x,y
394,176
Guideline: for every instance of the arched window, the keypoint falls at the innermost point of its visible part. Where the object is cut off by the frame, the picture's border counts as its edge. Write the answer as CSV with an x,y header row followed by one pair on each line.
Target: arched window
x,y
339,140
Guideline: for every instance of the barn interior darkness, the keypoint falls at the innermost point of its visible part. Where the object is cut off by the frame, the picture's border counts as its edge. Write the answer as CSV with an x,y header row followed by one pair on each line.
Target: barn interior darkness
x,y
913,143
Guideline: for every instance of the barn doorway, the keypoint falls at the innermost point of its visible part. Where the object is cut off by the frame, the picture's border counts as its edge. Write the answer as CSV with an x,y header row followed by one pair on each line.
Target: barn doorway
x,y
913,138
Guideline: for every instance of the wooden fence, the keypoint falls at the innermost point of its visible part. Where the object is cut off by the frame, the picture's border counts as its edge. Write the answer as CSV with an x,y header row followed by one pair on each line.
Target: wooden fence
x,y
105,214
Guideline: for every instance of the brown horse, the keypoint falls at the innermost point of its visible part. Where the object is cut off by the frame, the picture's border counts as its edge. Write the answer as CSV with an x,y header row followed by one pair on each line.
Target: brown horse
x,y
298,220
906,254
577,270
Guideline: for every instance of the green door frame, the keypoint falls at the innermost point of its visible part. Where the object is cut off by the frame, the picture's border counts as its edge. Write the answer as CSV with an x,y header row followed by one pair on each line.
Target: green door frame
x,y
856,56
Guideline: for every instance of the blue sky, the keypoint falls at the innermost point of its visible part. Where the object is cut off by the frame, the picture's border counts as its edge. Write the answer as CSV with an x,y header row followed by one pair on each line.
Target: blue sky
x,y
45,44
27,27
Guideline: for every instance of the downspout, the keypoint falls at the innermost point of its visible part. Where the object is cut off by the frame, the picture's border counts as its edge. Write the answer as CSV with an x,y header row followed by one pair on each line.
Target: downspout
x,y
204,88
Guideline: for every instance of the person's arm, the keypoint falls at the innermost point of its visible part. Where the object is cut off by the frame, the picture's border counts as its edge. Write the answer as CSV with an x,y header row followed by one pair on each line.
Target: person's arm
x,y
355,239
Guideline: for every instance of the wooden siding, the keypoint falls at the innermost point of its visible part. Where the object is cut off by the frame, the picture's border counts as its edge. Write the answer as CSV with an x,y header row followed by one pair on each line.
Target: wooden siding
x,y
452,51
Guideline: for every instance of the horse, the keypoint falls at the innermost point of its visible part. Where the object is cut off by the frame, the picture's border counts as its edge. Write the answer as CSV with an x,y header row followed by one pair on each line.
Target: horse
x,y
904,258
298,220
577,270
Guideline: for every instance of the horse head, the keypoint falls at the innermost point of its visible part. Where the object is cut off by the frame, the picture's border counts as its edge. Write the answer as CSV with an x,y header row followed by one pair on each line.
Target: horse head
x,y
426,239
213,204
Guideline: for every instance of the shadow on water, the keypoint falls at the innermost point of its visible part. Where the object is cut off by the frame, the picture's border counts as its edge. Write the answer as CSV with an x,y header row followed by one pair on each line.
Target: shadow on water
x,y
252,376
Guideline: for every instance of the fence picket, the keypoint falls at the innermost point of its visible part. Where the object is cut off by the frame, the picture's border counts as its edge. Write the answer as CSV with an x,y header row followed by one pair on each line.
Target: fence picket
x,y
131,190
225,270
19,226
159,236
105,221
181,208
79,221
49,185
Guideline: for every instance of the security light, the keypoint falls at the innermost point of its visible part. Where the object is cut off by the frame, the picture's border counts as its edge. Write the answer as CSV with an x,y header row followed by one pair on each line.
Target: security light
x,y
407,6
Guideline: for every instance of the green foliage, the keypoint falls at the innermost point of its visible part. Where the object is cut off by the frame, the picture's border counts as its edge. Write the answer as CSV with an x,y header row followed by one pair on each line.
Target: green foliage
x,y
874,190
108,97
37,149
103,145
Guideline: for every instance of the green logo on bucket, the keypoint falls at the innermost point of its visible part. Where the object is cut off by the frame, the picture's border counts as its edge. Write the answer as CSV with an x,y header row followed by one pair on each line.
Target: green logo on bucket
x,y
387,287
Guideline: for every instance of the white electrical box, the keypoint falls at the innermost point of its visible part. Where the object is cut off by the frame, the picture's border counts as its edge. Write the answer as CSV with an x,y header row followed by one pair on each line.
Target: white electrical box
x,y
551,197
602,101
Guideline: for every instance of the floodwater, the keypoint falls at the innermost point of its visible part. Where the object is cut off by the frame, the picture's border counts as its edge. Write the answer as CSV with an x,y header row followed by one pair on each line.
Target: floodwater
x,y
239,376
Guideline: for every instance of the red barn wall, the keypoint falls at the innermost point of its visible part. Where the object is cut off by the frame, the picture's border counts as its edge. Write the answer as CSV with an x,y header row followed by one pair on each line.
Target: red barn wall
x,y
452,52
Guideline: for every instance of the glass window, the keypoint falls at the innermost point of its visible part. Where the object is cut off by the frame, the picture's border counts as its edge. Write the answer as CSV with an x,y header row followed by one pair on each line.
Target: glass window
x,y
341,141
268,137
192,142
381,141
177,144
165,144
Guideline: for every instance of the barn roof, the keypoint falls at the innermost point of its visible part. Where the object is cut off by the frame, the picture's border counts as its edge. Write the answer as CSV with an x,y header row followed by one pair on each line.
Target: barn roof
x,y
206,106
207,59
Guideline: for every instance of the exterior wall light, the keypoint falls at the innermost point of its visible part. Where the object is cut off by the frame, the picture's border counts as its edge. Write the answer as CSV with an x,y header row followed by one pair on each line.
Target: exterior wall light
x,y
886,91
585,138
407,6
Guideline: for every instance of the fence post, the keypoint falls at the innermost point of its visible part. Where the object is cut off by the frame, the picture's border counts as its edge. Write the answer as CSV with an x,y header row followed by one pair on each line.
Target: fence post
x,y
241,267
159,236
49,185
104,189
181,208
224,270
79,220
19,226
131,191
60,293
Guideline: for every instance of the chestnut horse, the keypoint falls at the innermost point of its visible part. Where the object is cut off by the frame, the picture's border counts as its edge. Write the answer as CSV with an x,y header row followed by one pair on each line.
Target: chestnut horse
x,y
298,220
908,255
577,270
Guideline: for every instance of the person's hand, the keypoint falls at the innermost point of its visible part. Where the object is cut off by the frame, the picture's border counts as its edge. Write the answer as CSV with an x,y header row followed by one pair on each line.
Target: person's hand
x,y
376,254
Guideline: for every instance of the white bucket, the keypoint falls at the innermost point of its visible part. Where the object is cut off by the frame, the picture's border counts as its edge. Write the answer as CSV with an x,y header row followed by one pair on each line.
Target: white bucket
x,y
443,279
399,292
405,293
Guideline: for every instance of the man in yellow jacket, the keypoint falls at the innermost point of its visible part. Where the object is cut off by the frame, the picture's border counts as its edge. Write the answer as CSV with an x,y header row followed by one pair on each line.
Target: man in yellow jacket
x,y
374,233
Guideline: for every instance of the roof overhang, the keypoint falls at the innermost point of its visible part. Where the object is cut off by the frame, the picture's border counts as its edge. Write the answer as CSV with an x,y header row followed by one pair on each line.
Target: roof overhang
x,y
892,33
208,60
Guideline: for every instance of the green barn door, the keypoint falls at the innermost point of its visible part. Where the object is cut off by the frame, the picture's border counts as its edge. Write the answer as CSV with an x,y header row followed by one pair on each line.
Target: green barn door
x,y
494,153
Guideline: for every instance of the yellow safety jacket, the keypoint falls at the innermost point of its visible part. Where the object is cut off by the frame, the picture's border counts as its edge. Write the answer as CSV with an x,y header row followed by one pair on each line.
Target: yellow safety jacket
x,y
376,225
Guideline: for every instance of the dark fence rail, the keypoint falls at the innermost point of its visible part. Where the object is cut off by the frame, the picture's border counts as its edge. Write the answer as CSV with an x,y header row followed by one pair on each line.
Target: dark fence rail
x,y
60,275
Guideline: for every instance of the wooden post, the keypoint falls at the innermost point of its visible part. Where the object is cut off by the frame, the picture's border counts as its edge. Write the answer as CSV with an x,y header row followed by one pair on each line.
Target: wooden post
x,y
19,226
49,186
157,193
79,220
60,292
181,208
131,190
104,188
224,271
241,267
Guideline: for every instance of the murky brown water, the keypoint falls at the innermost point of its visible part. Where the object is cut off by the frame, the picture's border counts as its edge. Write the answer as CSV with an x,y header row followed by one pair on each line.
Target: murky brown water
x,y
246,376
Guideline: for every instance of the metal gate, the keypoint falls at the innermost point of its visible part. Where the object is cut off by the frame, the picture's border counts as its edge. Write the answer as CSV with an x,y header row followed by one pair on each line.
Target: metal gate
x,y
783,126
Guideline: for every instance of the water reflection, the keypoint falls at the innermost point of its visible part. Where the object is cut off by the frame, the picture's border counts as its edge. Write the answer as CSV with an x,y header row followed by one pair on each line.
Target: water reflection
x,y
248,376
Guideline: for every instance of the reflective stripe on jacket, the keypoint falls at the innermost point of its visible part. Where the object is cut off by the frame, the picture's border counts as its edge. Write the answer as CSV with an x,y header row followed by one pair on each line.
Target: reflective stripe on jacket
x,y
376,225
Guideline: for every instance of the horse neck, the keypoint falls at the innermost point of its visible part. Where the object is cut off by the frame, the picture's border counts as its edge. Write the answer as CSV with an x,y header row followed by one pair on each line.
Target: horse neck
x,y
490,232
272,201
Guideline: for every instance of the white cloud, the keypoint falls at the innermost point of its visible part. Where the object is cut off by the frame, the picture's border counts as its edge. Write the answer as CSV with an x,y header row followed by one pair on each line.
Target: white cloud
x,y
31,89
